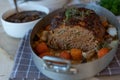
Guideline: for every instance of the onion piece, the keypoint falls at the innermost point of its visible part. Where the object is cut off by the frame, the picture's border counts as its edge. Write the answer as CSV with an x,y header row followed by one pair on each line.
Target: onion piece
x,y
44,35
113,43
112,31
84,54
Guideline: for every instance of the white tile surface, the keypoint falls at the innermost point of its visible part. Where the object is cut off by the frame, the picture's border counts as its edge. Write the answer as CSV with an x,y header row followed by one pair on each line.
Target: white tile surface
x,y
6,65
4,5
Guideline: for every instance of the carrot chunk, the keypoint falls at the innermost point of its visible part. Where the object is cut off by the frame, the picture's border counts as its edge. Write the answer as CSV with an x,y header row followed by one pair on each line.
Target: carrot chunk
x,y
42,47
103,52
65,55
105,23
76,54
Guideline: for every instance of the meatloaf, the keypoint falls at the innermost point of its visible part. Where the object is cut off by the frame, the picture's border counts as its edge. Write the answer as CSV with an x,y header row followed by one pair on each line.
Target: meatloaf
x,y
76,28
75,37
82,17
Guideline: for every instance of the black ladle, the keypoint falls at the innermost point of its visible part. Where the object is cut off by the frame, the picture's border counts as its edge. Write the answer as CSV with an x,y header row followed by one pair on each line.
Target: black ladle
x,y
16,6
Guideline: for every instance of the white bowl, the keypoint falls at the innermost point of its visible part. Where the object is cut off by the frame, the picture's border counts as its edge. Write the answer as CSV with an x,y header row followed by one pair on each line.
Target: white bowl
x,y
18,30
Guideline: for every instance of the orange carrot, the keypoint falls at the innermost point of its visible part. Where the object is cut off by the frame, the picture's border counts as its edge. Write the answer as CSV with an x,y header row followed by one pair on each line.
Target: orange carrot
x,y
103,52
42,47
76,54
105,23
65,55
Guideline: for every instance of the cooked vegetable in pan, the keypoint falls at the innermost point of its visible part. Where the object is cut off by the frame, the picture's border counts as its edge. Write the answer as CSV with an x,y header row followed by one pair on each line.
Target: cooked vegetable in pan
x,y
76,34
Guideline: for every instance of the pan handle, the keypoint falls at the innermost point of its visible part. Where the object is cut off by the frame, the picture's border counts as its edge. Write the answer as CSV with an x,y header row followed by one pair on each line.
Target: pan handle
x,y
58,65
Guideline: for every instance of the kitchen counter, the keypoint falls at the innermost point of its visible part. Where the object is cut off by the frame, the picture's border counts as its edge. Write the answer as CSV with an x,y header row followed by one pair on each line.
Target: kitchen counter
x,y
9,46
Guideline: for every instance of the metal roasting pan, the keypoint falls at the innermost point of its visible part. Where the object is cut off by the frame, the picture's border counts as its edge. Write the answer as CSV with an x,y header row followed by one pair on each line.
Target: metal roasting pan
x,y
69,71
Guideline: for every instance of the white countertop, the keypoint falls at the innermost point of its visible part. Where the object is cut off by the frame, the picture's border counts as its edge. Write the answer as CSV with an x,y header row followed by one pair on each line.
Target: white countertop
x,y
9,46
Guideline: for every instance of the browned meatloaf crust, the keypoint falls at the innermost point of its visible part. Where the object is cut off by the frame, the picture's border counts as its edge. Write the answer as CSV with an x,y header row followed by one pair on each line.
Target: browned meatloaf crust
x,y
75,37
83,31
91,22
